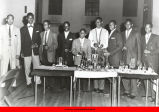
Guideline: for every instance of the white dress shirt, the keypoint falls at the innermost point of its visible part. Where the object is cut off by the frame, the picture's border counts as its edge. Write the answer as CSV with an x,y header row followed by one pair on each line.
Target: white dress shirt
x,y
98,31
47,36
66,34
30,28
147,37
127,33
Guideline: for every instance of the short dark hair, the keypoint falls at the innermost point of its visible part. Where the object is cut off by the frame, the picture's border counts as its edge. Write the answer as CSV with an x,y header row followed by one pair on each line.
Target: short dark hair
x,y
149,23
83,29
10,15
113,21
129,20
99,18
47,21
30,14
66,22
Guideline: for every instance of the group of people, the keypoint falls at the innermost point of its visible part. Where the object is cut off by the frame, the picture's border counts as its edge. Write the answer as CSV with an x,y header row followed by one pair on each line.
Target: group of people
x,y
38,47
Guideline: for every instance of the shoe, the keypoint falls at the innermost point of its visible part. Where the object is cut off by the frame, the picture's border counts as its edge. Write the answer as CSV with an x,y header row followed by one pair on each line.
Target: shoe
x,y
96,90
125,94
132,96
29,86
101,91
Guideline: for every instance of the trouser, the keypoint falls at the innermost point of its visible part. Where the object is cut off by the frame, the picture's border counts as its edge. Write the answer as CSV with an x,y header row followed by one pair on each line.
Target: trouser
x,y
99,84
130,86
6,65
27,65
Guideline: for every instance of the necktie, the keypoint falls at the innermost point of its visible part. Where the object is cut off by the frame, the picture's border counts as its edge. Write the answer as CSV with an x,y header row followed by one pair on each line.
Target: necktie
x,y
46,38
9,32
9,36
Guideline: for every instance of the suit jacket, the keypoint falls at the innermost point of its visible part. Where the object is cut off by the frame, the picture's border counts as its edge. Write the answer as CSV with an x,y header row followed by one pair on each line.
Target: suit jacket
x,y
15,44
52,46
133,46
76,48
27,41
66,44
153,46
115,46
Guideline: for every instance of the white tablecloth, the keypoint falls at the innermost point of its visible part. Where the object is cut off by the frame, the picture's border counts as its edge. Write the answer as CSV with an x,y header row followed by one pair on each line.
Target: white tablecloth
x,y
94,74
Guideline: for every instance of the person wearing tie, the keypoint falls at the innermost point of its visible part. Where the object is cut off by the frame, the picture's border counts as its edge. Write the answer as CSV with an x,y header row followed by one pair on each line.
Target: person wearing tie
x,y
150,54
30,36
131,56
10,42
99,43
65,40
115,45
48,45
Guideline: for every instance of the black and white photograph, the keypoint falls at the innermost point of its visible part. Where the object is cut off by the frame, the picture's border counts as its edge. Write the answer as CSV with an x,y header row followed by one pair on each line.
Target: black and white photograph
x,y
79,53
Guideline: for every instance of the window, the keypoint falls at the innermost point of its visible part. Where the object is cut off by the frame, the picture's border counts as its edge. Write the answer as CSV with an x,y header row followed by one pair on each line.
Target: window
x,y
91,7
55,7
130,8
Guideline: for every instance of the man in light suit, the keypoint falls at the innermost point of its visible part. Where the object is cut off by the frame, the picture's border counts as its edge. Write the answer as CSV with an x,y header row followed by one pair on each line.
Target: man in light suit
x,y
131,56
30,36
150,53
48,45
99,43
115,45
10,41
81,47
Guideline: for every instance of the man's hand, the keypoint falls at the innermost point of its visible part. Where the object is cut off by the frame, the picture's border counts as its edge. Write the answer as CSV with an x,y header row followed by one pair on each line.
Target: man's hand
x,y
95,45
101,46
106,54
66,50
124,48
147,51
22,55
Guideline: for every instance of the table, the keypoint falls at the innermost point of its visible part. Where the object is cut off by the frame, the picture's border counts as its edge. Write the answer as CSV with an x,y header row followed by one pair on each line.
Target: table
x,y
49,71
99,74
138,74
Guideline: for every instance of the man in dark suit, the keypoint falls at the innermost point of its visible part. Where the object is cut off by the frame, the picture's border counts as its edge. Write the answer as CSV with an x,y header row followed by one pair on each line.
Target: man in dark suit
x,y
65,40
150,53
115,45
132,56
30,42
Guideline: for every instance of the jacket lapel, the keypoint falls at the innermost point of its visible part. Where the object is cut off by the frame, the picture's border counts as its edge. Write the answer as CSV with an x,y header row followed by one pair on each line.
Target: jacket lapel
x,y
49,40
150,39
27,32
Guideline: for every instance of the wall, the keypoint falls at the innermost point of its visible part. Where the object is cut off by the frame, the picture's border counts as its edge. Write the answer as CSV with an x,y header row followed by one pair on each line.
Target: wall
x,y
74,11
155,16
16,7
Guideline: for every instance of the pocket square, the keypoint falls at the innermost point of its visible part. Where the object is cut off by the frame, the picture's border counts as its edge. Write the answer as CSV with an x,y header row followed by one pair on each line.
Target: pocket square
x,y
112,38
70,39
37,31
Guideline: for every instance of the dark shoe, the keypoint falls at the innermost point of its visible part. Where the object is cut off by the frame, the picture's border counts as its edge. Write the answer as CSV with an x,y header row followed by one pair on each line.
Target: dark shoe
x,y
132,96
101,91
153,100
29,86
125,94
96,90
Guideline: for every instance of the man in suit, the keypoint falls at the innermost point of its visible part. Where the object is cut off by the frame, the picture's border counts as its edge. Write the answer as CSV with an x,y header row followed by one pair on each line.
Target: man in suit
x,y
10,42
99,43
115,45
65,40
48,45
81,47
132,56
30,36
150,53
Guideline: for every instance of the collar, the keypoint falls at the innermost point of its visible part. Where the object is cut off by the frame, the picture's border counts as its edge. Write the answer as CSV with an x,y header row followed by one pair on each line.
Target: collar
x,y
98,28
129,30
66,31
11,26
148,34
113,30
30,25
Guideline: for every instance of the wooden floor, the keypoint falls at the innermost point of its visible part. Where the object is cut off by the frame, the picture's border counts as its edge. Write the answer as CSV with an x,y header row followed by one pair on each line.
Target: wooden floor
x,y
23,96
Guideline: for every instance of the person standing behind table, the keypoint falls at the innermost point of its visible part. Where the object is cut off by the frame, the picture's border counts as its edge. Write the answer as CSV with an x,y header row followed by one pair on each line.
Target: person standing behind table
x,y
150,54
10,42
99,42
48,45
132,53
81,46
115,45
30,34
65,40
